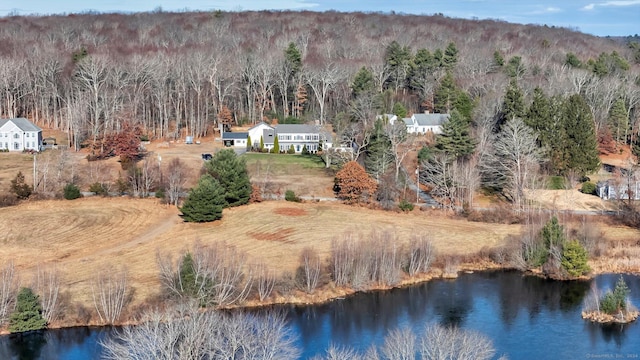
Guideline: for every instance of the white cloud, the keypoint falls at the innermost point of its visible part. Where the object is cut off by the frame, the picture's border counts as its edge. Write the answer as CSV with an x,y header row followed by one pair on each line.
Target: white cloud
x,y
621,3
612,3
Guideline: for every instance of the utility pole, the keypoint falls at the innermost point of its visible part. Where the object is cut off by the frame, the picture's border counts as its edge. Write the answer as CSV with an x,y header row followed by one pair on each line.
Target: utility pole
x,y
418,183
34,172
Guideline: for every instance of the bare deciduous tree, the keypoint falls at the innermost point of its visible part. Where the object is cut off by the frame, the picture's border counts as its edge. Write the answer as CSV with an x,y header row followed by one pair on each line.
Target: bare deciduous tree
x,y
46,284
110,292
265,281
420,255
8,290
515,161
176,180
308,274
187,333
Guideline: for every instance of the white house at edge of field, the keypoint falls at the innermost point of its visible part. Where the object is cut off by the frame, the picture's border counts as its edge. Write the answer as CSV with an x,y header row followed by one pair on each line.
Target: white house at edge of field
x,y
296,135
20,134
421,123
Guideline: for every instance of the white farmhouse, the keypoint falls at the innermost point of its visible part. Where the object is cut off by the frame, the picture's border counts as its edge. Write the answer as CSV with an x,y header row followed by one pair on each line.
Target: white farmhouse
x,y
421,123
299,136
19,134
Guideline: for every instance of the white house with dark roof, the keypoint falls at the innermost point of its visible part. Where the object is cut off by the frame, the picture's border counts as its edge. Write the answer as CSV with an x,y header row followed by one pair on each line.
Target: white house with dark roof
x,y
235,139
297,135
20,134
420,123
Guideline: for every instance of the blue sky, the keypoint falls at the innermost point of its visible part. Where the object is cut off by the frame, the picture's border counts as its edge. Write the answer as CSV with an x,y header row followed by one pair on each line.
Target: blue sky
x,y
598,17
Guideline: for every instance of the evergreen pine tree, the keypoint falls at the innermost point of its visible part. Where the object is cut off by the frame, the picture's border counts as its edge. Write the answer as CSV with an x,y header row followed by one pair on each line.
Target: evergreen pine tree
x,y
231,173
363,82
397,60
379,157
249,143
582,147
399,110
450,56
205,201
261,144
498,59
513,103
574,258
619,121
445,94
27,315
455,139
276,146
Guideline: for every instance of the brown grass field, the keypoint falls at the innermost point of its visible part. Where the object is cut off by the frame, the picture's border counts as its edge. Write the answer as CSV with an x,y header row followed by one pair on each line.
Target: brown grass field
x,y
85,237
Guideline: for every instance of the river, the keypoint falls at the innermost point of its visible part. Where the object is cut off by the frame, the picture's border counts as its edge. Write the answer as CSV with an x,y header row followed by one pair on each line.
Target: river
x,y
525,317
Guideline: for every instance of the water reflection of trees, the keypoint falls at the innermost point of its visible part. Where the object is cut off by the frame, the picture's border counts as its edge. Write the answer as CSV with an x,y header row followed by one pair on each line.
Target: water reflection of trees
x,y
366,318
533,295
52,344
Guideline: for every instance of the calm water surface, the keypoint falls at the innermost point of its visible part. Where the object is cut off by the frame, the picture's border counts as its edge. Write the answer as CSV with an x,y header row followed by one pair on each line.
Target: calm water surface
x,y
526,317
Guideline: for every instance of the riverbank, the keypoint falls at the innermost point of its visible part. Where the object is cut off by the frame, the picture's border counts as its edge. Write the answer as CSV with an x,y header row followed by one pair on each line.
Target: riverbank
x,y
82,239
329,292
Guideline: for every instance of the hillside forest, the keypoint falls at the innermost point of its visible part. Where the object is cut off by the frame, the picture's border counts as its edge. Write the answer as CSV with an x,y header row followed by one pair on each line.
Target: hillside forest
x,y
524,100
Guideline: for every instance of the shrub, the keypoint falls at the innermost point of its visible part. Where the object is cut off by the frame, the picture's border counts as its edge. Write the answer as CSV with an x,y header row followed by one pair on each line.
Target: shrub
x,y
556,183
574,258
71,192
405,205
161,193
616,301
305,151
98,189
28,313
8,200
19,187
291,150
289,195
588,188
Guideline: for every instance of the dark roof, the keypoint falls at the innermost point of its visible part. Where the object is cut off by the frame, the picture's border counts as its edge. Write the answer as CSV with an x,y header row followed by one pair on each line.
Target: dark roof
x,y
235,135
431,119
296,129
22,123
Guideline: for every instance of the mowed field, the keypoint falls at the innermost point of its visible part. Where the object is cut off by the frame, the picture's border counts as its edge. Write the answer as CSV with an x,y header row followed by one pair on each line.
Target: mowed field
x,y
84,237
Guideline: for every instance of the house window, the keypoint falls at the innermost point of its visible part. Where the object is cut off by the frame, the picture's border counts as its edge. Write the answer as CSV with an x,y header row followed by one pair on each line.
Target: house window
x,y
297,148
315,137
307,137
27,134
16,136
16,146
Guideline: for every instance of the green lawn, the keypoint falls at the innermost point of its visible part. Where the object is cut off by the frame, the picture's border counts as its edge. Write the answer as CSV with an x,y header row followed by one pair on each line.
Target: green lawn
x,y
281,161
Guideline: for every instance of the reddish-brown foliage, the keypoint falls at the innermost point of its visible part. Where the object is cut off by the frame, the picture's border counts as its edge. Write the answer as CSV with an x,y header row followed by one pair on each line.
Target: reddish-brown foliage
x,y
256,194
354,184
291,211
606,144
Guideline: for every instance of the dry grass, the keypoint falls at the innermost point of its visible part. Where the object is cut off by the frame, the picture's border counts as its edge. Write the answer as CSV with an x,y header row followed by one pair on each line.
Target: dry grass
x,y
83,237
567,200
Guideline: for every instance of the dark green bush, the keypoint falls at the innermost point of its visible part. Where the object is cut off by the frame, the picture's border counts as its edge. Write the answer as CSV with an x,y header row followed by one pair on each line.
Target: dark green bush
x,y
405,205
556,183
574,258
28,313
291,150
289,195
71,192
588,188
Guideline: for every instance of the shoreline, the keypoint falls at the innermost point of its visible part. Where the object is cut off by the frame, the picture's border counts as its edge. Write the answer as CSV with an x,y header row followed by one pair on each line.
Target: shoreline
x,y
329,293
